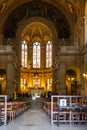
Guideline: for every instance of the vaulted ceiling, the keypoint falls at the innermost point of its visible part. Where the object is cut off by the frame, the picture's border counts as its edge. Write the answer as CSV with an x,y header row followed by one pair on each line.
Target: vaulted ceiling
x,y
61,13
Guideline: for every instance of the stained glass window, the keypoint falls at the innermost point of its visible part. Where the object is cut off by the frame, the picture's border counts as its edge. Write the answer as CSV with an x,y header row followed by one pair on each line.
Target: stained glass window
x,y
36,55
23,83
48,54
49,84
24,54
36,83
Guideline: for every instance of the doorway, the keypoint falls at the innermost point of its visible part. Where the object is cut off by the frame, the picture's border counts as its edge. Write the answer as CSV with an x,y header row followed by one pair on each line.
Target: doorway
x,y
2,81
71,82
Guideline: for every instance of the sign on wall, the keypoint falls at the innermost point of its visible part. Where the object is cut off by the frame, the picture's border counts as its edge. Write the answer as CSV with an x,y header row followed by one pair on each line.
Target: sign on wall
x,y
63,103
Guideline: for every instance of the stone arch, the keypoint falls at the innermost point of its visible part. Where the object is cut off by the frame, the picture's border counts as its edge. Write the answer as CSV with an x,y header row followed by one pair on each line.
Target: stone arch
x,y
37,9
49,25
46,24
73,80
18,4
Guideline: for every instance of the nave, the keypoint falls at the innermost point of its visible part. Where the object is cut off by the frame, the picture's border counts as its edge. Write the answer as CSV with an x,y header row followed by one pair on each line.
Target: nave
x,y
37,119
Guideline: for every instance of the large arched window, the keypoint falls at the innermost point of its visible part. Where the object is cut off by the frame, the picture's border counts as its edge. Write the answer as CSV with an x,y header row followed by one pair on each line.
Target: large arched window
x,y
36,83
24,54
36,55
48,54
49,84
23,84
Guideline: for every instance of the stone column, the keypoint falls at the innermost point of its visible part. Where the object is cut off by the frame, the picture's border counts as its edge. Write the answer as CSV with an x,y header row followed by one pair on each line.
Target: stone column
x,y
84,78
85,93
61,78
10,80
83,89
72,39
85,26
1,39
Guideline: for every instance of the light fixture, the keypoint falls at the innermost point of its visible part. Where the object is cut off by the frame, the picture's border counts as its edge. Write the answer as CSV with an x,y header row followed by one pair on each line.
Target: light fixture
x,y
84,76
1,78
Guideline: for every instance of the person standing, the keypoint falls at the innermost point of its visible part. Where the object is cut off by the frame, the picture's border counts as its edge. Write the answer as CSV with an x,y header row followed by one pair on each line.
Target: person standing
x,y
33,100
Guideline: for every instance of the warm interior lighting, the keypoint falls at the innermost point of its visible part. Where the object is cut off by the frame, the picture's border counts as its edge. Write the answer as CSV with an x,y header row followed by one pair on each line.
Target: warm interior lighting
x,y
70,78
85,76
1,78
36,74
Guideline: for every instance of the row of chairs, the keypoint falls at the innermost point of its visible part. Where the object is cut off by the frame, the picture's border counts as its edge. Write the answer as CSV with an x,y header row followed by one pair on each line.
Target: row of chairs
x,y
66,115
73,118
13,110
47,107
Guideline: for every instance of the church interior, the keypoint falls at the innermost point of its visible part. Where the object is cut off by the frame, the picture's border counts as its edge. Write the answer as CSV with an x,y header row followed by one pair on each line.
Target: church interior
x,y
43,49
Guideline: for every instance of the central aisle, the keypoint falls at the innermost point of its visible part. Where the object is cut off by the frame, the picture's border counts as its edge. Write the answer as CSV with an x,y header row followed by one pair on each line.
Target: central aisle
x,y
36,119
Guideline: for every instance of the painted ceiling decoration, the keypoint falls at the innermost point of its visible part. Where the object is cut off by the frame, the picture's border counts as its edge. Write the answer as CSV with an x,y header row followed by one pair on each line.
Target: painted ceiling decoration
x,y
37,9
3,4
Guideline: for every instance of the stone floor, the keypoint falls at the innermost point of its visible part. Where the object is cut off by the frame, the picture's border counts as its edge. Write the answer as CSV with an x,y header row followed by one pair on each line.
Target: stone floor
x,y
37,119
